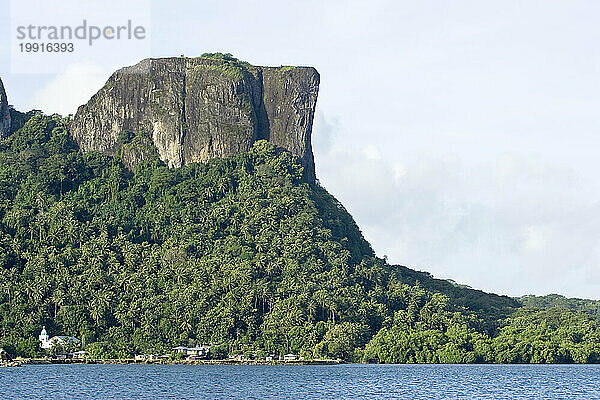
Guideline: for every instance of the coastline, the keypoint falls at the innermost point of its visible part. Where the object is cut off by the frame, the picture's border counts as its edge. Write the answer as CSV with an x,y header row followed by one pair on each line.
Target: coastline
x,y
46,361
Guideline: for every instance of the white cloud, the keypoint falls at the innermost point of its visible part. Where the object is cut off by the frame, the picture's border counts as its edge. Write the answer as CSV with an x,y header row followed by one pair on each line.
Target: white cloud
x,y
70,89
536,239
372,153
400,172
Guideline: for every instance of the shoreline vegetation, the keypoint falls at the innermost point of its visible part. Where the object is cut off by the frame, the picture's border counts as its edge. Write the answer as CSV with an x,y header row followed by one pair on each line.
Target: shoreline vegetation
x,y
133,361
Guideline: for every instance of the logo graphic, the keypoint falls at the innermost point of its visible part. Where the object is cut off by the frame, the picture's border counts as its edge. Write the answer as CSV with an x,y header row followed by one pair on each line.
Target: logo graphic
x,y
48,36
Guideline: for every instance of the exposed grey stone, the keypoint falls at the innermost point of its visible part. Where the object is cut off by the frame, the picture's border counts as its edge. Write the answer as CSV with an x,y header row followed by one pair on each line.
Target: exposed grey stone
x,y
195,109
4,113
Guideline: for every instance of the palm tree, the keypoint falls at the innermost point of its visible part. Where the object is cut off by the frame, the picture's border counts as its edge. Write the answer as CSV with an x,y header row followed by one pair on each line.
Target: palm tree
x,y
58,298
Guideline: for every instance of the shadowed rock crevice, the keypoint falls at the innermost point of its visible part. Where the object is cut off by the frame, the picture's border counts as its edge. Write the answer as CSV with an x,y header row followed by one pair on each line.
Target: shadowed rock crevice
x,y
4,113
195,109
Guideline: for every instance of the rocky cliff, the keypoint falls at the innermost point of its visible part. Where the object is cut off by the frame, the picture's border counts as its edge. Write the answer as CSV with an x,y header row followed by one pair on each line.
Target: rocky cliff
x,y
4,113
194,109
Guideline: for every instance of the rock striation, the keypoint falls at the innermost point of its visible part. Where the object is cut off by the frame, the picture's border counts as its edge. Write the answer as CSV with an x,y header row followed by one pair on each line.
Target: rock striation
x,y
4,113
194,109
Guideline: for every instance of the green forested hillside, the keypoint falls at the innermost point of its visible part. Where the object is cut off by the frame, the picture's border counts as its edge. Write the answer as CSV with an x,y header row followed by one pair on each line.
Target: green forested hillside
x,y
591,307
239,253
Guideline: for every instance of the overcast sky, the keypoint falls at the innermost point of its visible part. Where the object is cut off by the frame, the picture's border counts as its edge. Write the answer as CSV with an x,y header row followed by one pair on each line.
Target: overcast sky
x,y
462,136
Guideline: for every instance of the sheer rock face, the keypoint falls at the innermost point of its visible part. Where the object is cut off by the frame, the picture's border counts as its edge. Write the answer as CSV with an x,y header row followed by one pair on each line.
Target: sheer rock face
x,y
4,113
195,109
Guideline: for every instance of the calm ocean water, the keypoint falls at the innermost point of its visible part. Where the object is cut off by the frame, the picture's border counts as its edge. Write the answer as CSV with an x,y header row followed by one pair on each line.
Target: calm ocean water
x,y
301,382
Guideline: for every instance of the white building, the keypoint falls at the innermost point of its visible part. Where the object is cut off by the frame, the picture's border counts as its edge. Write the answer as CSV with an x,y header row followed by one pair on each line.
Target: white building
x,y
45,343
195,352
48,343
290,357
78,355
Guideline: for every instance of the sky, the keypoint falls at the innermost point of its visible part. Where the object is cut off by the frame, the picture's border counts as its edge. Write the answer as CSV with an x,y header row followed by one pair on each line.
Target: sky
x,y
462,136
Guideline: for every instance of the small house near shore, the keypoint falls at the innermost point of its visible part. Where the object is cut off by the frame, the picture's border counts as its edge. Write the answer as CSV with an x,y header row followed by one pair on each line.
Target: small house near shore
x,y
77,355
192,352
148,357
290,357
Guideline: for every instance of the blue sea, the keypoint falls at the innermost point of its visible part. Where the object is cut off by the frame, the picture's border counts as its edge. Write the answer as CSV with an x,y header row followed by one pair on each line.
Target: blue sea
x,y
301,382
